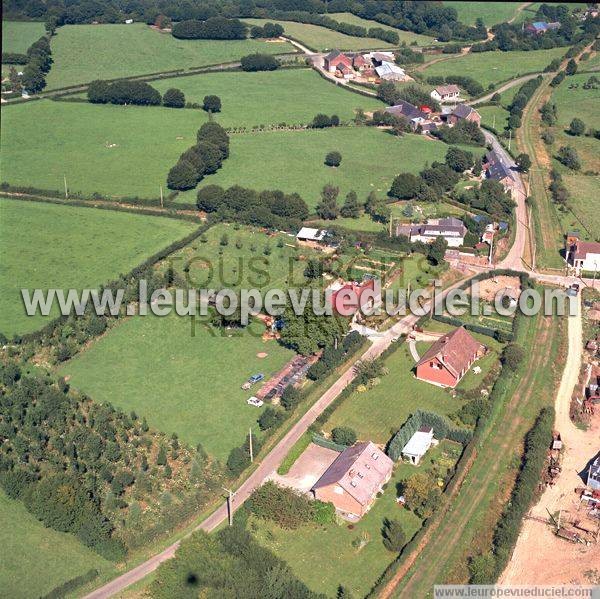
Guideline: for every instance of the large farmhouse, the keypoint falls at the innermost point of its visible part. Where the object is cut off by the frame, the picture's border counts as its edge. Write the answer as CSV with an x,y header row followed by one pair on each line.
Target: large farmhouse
x,y
354,479
336,59
463,112
452,229
449,358
417,117
498,169
446,93
584,255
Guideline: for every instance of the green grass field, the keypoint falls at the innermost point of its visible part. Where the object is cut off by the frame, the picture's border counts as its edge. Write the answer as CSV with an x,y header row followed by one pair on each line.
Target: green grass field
x,y
286,96
44,246
391,402
35,559
576,102
490,12
493,67
405,36
323,557
294,161
17,36
83,53
321,38
114,150
181,383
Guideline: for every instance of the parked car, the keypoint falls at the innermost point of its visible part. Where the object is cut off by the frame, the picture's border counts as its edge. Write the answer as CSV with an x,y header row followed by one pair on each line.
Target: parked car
x,y
255,378
254,401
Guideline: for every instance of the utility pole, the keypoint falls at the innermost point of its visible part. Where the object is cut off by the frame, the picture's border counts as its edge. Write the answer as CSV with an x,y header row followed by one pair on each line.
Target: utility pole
x,y
494,122
161,197
230,496
66,188
509,138
250,445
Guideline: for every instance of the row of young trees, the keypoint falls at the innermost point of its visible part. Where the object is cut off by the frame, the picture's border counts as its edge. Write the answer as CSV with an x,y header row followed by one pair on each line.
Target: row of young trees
x,y
268,30
203,158
125,91
39,62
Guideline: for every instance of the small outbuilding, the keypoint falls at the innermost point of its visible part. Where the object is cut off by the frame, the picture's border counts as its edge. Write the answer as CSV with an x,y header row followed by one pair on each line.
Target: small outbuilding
x,y
311,234
418,445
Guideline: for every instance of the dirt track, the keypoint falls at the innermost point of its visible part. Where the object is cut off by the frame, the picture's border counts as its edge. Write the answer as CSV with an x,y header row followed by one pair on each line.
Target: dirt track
x,y
540,556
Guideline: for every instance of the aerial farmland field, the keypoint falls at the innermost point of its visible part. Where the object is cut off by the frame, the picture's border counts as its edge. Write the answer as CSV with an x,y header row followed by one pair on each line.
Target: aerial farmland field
x,y
490,12
490,68
27,545
320,38
371,158
83,53
291,96
181,382
70,247
17,36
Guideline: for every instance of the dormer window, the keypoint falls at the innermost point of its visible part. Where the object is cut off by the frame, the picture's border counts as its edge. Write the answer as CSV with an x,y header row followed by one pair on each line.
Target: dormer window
x,y
374,456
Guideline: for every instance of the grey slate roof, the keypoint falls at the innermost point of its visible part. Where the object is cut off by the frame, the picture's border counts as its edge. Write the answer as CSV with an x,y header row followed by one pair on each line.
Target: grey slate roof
x,y
462,111
407,110
497,168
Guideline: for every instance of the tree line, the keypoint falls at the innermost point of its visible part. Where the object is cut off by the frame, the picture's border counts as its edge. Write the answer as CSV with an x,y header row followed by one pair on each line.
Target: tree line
x,y
202,159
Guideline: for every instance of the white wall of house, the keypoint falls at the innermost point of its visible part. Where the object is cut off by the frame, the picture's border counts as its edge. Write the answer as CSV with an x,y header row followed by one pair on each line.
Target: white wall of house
x,y
453,241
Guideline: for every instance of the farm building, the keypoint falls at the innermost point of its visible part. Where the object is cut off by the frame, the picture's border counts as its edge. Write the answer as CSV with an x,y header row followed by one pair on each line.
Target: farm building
x,y
593,479
463,112
584,255
541,27
417,117
452,229
418,445
498,169
334,59
310,234
449,358
390,72
348,298
354,479
446,93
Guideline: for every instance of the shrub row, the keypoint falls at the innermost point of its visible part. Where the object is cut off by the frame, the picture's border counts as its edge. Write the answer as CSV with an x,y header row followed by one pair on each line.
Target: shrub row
x,y
521,100
14,58
332,357
498,334
213,28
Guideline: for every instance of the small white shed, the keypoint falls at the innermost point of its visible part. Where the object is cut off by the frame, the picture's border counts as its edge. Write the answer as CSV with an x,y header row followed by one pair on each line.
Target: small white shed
x,y
418,445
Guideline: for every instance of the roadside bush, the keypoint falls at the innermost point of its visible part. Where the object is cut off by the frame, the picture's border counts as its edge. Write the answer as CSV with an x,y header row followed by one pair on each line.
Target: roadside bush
x,y
259,62
344,435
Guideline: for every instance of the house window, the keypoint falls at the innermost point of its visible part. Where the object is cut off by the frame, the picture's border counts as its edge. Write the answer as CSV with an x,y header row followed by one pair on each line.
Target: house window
x,y
360,475
353,483
374,456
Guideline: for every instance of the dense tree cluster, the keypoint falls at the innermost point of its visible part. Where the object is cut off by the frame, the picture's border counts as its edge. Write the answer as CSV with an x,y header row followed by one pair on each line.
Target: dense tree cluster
x,y
39,61
229,563
390,94
259,62
520,100
81,467
123,91
560,193
464,132
213,28
269,208
490,198
204,158
407,56
268,30
322,121
174,98
332,357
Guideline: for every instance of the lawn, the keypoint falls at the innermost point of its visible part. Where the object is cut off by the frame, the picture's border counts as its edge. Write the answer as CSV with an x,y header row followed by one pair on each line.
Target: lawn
x,y
17,36
115,150
380,411
494,116
67,247
208,264
491,12
573,102
493,67
183,383
323,557
293,161
405,36
83,53
290,96
35,559
320,38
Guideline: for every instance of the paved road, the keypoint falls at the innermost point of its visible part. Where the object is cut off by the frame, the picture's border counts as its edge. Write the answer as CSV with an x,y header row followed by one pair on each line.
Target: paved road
x,y
503,88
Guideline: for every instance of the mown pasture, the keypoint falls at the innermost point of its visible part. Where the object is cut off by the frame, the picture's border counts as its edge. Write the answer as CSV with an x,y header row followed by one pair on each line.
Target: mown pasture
x,y
48,246
491,68
182,380
35,559
17,36
321,38
83,53
293,161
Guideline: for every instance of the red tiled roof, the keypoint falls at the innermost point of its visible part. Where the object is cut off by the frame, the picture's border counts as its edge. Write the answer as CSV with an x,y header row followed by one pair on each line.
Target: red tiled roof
x,y
583,248
455,350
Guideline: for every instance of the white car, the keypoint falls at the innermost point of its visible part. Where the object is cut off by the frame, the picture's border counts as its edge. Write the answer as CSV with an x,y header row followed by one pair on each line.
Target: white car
x,y
254,401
